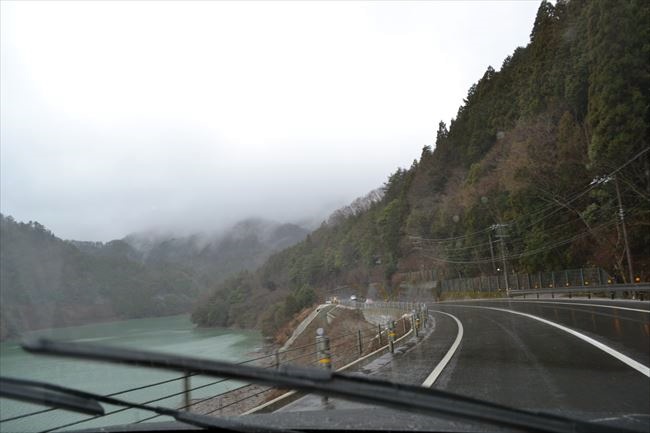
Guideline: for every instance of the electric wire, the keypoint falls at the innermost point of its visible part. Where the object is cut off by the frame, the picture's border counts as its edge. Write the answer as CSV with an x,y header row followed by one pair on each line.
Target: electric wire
x,y
592,185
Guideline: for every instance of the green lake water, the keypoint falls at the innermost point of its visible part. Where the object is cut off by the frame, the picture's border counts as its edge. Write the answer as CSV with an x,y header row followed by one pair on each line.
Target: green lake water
x,y
174,334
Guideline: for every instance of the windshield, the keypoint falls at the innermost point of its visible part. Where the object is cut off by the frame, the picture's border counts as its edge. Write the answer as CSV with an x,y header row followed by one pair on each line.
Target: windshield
x,y
450,197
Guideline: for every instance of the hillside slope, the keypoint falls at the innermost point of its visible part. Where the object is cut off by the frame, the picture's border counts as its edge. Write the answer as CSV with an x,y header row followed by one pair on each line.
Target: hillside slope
x,y
534,154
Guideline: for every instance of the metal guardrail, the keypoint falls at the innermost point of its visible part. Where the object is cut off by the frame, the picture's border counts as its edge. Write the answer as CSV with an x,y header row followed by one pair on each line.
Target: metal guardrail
x,y
567,281
640,290
530,281
403,306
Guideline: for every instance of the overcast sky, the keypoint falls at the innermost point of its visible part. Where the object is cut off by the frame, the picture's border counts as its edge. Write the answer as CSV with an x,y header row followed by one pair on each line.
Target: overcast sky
x,y
125,116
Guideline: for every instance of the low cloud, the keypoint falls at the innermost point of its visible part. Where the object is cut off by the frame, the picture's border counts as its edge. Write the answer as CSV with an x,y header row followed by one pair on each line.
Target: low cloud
x,y
195,115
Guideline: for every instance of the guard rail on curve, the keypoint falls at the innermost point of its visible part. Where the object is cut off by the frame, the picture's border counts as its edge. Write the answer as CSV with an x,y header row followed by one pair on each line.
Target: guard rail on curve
x,y
609,288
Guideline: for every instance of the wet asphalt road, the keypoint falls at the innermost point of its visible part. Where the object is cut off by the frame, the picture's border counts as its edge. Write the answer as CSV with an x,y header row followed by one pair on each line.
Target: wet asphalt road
x,y
521,362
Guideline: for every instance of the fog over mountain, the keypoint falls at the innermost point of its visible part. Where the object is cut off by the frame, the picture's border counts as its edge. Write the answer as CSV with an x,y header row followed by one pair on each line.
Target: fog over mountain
x,y
197,115
49,282
217,255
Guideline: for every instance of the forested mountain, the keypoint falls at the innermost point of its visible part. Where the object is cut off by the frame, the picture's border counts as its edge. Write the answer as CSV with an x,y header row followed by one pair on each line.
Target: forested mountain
x,y
534,153
48,282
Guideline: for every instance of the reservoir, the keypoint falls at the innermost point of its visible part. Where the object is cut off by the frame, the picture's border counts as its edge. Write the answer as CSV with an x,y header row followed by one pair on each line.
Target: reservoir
x,y
175,334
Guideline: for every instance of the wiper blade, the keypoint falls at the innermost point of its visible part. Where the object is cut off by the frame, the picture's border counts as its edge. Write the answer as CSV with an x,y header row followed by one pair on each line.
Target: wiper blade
x,y
38,393
324,382
61,397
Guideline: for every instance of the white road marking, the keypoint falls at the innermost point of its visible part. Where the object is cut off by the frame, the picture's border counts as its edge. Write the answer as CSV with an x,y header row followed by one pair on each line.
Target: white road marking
x,y
579,303
613,352
428,382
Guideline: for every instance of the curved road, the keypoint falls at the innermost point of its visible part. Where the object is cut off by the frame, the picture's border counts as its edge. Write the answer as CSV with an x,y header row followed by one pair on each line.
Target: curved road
x,y
509,356
579,358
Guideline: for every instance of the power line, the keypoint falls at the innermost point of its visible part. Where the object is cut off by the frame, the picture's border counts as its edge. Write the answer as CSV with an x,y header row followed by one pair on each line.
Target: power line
x,y
552,231
553,207
523,254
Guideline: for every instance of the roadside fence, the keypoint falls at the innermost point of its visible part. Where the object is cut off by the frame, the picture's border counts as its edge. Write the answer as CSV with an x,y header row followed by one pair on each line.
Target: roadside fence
x,y
538,280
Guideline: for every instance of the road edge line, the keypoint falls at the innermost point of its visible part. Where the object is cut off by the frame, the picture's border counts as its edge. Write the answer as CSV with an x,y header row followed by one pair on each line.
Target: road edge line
x,y
535,301
429,381
610,351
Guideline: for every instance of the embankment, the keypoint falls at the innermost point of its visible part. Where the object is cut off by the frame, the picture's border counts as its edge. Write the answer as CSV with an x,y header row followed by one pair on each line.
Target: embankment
x,y
351,336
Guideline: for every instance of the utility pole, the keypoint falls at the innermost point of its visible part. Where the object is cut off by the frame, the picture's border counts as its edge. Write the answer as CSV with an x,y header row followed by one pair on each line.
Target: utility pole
x,y
621,214
501,235
494,266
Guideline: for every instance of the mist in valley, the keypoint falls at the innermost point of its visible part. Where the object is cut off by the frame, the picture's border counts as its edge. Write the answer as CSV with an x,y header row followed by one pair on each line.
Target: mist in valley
x,y
193,117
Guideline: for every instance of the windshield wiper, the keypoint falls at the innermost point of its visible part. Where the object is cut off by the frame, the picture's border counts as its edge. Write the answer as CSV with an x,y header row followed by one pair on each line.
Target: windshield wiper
x,y
75,400
324,382
46,395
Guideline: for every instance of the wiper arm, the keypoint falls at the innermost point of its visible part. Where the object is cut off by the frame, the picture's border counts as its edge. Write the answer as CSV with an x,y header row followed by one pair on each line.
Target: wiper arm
x,y
39,393
86,402
324,382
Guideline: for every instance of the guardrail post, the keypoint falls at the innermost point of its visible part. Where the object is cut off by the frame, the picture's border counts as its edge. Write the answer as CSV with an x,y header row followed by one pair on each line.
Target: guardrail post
x,y
582,277
391,336
600,277
186,392
359,344
414,323
323,349
323,352
379,333
425,312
